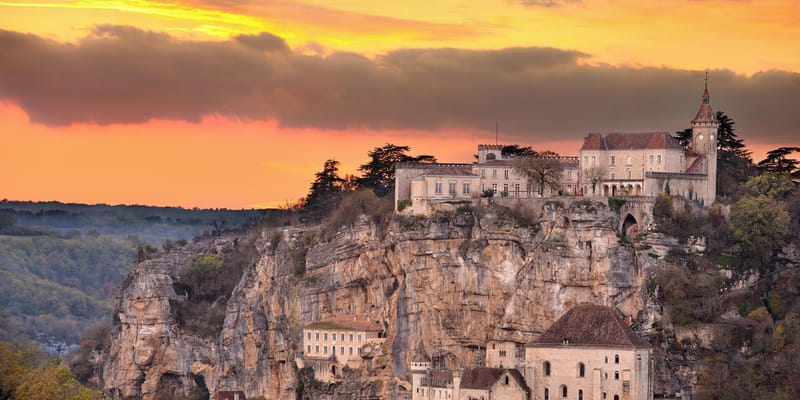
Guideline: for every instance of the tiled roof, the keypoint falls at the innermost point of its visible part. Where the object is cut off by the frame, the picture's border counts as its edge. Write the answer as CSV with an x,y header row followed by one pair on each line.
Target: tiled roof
x,y
590,324
624,141
705,114
440,378
450,171
695,164
345,324
485,378
491,147
497,163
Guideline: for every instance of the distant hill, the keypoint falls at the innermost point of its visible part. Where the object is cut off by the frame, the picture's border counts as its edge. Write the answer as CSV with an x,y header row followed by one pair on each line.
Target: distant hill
x,y
59,262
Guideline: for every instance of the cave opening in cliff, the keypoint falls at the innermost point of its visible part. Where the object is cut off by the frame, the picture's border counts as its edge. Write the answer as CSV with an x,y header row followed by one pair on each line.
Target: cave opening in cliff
x,y
630,227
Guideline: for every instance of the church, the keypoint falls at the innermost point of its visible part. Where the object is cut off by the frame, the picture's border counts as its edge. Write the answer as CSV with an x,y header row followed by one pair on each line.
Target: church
x,y
609,165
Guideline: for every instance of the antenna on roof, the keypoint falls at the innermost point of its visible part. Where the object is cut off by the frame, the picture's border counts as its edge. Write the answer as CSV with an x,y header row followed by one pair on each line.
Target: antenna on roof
x,y
496,129
706,80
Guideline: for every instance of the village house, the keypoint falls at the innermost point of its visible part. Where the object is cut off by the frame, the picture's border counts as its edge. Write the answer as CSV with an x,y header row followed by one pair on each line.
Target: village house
x,y
492,384
612,164
333,343
590,353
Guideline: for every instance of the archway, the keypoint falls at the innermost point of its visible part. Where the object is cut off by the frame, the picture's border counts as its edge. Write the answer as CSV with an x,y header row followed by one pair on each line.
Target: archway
x,y
333,370
630,227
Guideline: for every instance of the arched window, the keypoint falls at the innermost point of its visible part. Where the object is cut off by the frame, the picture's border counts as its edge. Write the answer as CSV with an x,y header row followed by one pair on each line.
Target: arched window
x,y
616,358
506,380
546,394
581,370
580,394
564,391
546,368
616,375
616,397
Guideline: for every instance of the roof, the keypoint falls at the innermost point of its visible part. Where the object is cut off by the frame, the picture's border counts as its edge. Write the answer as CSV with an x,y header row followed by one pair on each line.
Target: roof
x,y
565,161
625,141
344,323
230,395
440,378
485,378
450,171
490,147
692,168
705,113
591,325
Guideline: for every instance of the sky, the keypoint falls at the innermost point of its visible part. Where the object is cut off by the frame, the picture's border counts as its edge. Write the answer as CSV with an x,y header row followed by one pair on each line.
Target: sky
x,y
237,103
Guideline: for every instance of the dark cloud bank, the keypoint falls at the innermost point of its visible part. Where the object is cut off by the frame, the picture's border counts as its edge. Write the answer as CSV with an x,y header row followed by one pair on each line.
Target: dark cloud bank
x,y
125,75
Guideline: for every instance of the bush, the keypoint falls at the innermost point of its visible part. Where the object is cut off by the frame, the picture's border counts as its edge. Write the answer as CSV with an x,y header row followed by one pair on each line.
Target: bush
x,y
402,204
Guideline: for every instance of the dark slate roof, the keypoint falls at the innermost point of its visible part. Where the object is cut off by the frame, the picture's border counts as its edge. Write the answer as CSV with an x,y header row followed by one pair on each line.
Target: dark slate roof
x,y
440,378
625,141
344,324
592,325
485,378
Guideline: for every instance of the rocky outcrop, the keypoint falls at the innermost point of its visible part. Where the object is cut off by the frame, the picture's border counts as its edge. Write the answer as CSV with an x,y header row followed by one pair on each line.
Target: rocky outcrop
x,y
444,285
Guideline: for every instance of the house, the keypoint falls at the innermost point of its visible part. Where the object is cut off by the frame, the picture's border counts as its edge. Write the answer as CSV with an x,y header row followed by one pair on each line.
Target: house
x,y
333,343
590,353
504,354
230,395
492,384
612,164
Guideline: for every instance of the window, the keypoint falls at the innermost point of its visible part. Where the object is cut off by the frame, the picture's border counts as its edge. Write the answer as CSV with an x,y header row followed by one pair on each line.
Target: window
x,y
585,160
465,188
616,397
451,187
506,380
483,173
342,336
651,159
494,188
325,335
580,394
606,359
628,172
629,160
569,175
613,160
593,161
308,335
505,187
502,353
351,337
658,159
308,348
613,174
546,368
317,335
333,349
616,358
581,370
341,350
494,173
505,174
325,350
359,338
350,351
546,394
316,349
516,188
616,375
564,391
438,188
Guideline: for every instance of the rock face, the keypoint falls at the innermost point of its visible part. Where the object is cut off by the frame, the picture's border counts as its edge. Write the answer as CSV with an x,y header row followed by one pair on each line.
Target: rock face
x,y
444,285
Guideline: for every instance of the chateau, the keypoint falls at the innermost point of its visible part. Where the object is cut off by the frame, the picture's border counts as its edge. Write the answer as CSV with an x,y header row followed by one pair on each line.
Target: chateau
x,y
612,164
333,343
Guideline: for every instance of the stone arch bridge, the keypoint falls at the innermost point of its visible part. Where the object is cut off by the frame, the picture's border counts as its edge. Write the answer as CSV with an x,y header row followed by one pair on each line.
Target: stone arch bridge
x,y
636,215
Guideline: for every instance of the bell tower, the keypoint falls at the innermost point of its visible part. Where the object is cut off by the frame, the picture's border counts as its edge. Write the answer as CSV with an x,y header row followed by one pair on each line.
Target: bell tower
x,y
704,143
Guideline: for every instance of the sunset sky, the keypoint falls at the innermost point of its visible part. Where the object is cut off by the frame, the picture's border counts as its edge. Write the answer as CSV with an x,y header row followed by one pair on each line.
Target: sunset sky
x,y
237,103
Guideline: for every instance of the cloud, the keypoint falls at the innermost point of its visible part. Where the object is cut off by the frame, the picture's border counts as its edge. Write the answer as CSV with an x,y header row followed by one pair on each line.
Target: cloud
x,y
120,75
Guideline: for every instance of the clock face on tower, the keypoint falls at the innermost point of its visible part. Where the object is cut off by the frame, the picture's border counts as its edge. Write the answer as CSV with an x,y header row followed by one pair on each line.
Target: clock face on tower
x,y
700,137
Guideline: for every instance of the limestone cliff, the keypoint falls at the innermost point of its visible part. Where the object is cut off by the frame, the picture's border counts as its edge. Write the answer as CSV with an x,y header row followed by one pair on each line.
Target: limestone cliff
x,y
445,284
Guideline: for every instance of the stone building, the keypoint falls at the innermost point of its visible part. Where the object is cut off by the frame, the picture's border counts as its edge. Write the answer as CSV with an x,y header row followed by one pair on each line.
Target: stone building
x,y
590,353
612,164
333,343
492,384
503,354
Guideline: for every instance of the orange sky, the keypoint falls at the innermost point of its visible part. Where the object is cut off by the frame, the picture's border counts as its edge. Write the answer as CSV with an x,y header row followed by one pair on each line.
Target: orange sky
x,y
225,161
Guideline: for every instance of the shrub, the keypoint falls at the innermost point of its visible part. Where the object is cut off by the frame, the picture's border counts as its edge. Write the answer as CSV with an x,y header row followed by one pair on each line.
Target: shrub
x,y
402,204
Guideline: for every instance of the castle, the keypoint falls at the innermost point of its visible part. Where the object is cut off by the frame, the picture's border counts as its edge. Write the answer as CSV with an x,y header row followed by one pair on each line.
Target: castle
x,y
614,164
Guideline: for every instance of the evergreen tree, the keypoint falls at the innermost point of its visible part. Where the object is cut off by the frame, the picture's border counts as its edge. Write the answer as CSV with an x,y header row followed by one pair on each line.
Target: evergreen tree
x,y
734,165
684,137
325,191
778,162
379,171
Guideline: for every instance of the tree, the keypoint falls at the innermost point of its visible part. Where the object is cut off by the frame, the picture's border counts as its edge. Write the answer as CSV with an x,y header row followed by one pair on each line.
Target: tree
x,y
772,185
777,161
541,172
325,191
379,171
759,227
594,175
684,137
514,150
734,165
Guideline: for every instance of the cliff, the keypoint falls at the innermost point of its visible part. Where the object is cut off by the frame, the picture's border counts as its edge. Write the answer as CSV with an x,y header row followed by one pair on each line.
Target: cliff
x,y
442,285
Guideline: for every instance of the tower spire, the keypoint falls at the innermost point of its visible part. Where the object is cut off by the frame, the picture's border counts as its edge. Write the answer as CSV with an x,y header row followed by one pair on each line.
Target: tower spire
x,y
705,91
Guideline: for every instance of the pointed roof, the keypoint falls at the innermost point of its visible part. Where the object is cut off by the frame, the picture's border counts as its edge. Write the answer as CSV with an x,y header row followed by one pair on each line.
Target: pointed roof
x,y
626,141
485,378
591,325
705,114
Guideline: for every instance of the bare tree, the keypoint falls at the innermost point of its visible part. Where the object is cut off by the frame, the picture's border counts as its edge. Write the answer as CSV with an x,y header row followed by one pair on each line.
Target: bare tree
x,y
541,171
594,175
